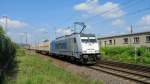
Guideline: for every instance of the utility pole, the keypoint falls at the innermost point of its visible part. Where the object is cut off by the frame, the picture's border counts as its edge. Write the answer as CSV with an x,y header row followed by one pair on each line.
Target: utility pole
x,y
131,32
26,39
21,39
55,32
47,35
6,23
74,28
135,48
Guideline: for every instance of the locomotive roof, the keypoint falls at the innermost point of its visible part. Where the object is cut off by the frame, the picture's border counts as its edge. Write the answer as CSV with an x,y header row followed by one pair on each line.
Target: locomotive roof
x,y
87,35
81,34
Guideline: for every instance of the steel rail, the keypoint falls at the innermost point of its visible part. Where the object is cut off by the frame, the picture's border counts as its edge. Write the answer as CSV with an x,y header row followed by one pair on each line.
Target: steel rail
x,y
124,73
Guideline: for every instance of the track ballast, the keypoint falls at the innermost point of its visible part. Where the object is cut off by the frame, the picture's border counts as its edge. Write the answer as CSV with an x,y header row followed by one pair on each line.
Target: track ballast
x,y
133,72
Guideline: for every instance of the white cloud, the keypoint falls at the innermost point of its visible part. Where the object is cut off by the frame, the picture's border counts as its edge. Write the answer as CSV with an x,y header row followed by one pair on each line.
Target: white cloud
x,y
118,23
9,33
128,29
12,23
93,7
145,22
63,31
21,34
42,30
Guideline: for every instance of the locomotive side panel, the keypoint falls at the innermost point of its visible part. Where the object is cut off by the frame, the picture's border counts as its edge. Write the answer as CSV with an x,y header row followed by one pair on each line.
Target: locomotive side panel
x,y
67,46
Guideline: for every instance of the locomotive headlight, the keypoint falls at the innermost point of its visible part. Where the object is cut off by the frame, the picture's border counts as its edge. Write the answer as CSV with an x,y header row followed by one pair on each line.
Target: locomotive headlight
x,y
96,51
85,56
84,51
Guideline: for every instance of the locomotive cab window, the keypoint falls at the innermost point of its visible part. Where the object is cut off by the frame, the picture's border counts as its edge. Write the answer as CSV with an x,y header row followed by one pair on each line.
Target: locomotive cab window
x,y
84,40
91,40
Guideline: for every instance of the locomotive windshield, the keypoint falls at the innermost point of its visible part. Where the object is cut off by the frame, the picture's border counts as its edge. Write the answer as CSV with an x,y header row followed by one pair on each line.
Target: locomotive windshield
x,y
88,39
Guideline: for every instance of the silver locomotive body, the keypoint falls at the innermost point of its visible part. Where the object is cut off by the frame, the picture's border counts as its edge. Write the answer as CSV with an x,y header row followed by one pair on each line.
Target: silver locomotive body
x,y
77,47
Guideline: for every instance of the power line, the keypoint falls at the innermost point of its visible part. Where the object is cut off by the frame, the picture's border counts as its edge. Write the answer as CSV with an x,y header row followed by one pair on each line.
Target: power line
x,y
123,4
135,12
26,37
129,14
139,11
6,23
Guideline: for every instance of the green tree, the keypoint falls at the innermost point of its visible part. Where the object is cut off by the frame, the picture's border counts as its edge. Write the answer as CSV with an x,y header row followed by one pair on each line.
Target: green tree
x,y
1,31
7,48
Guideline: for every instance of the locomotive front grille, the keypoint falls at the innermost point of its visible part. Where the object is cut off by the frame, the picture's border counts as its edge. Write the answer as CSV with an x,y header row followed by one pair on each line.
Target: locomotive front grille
x,y
89,58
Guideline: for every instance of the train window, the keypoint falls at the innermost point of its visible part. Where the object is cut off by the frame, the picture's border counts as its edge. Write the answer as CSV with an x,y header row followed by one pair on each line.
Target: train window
x,y
84,40
57,45
136,39
148,39
64,46
126,40
92,40
110,42
61,45
89,40
75,40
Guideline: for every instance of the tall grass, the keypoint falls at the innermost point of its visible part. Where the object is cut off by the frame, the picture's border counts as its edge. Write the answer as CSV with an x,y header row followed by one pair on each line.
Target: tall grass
x,y
140,55
35,69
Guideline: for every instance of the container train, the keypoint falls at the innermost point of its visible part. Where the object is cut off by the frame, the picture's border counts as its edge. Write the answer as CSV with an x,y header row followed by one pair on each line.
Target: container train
x,y
43,47
79,47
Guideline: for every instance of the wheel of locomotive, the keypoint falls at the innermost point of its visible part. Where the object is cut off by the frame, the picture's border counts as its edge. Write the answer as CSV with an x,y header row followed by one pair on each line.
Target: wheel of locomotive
x,y
82,60
72,59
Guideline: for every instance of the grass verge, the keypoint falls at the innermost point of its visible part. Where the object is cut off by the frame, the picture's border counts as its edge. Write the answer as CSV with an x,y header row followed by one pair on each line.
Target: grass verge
x,y
33,69
127,54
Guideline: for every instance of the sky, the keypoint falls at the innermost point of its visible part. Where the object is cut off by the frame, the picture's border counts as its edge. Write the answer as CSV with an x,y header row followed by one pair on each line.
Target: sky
x,y
48,19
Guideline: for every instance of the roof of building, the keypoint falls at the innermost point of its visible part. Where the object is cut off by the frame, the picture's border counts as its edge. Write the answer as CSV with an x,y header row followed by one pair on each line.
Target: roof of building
x,y
123,35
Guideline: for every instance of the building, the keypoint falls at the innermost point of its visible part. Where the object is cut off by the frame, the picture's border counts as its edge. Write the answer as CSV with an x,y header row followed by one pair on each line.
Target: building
x,y
135,39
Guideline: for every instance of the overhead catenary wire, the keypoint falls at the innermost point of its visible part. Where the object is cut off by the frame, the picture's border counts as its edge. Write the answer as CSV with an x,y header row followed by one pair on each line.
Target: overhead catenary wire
x,y
134,13
141,10
131,13
124,5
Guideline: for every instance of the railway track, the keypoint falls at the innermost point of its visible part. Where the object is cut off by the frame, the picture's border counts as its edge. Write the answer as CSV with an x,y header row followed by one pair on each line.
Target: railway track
x,y
137,73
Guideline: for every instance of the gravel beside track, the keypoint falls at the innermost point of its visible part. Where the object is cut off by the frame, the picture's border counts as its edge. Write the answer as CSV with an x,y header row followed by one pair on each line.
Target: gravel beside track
x,y
122,73
85,71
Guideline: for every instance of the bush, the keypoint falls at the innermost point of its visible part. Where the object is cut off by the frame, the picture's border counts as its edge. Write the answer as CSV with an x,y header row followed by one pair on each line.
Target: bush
x,y
127,54
117,50
7,48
